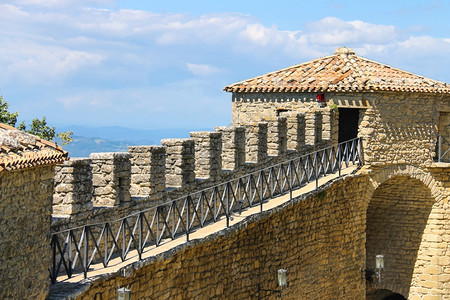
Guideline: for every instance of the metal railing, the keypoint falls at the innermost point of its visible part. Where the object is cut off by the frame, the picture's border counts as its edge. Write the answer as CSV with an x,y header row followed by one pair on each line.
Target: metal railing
x,y
441,143
75,250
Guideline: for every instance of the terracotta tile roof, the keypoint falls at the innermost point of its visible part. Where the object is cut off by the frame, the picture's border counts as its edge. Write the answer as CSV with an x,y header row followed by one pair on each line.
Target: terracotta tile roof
x,y
342,72
19,150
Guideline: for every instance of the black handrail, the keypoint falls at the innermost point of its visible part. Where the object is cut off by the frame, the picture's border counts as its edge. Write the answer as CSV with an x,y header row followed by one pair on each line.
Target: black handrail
x,y
77,248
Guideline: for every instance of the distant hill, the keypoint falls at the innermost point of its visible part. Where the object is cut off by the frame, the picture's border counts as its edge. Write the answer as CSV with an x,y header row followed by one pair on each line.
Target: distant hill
x,y
87,140
82,146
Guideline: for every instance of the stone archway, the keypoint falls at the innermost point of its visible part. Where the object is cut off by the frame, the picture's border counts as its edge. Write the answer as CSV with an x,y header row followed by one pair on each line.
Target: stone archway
x,y
406,224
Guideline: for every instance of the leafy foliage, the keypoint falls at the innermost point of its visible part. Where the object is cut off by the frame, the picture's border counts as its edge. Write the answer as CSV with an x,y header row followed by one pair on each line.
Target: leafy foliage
x,y
65,137
5,116
37,127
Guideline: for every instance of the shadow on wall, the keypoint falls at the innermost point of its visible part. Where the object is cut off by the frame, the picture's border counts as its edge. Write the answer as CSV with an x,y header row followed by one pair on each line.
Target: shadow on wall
x,y
396,218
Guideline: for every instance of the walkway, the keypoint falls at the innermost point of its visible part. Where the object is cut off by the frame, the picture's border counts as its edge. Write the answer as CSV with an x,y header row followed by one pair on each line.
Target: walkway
x,y
116,264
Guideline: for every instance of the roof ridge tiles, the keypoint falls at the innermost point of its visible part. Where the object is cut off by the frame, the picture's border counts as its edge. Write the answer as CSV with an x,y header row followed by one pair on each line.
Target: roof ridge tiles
x,y
362,74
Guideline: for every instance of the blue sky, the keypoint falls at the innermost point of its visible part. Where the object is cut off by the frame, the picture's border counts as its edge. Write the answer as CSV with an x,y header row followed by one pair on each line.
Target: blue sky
x,y
163,64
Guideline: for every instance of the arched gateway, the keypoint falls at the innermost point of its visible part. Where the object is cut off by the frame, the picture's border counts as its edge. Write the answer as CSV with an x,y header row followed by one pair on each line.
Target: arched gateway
x,y
406,222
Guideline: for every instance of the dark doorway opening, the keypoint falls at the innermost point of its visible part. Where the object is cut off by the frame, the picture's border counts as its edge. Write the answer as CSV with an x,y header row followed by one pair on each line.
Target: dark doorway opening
x,y
394,297
384,295
348,124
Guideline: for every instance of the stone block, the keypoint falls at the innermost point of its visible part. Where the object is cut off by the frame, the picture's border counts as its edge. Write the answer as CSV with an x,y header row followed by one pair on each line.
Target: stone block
x,y
180,161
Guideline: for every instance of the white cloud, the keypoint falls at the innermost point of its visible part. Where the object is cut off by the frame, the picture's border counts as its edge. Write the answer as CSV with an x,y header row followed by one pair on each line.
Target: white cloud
x,y
37,63
158,63
60,3
334,31
425,45
202,69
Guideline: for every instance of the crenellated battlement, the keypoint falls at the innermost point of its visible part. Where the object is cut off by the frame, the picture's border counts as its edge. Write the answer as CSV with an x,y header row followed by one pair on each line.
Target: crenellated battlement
x,y
233,147
148,170
110,185
111,178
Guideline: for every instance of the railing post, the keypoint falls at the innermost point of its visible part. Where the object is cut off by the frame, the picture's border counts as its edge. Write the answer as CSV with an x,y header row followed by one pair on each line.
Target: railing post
x,y
439,147
354,150
157,226
215,203
172,232
70,254
105,259
227,211
188,217
261,174
53,272
360,153
315,168
290,179
203,198
271,174
250,180
124,242
86,251
141,225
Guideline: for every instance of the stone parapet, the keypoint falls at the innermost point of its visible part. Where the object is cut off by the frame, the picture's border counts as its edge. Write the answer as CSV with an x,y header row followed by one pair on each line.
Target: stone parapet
x,y
233,146
180,161
256,142
277,136
208,154
72,187
148,170
313,130
330,127
111,178
295,131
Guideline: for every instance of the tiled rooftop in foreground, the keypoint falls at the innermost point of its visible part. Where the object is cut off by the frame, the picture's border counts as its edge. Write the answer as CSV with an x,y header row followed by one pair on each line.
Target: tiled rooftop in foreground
x,y
20,150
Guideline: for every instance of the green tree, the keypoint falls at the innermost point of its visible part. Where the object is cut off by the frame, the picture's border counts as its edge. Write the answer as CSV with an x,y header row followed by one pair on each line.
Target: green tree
x,y
37,127
5,116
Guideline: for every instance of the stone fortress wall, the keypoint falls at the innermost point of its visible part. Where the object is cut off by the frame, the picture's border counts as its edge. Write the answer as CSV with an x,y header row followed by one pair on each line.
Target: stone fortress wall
x,y
396,128
241,262
398,204
25,220
107,186
326,239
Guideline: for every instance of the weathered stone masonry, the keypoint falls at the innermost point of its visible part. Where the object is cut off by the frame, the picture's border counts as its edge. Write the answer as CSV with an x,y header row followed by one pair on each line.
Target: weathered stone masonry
x,y
180,161
233,147
277,137
27,167
25,220
180,150
395,127
321,239
396,205
148,170
299,236
407,217
256,142
208,149
111,178
103,179
73,187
